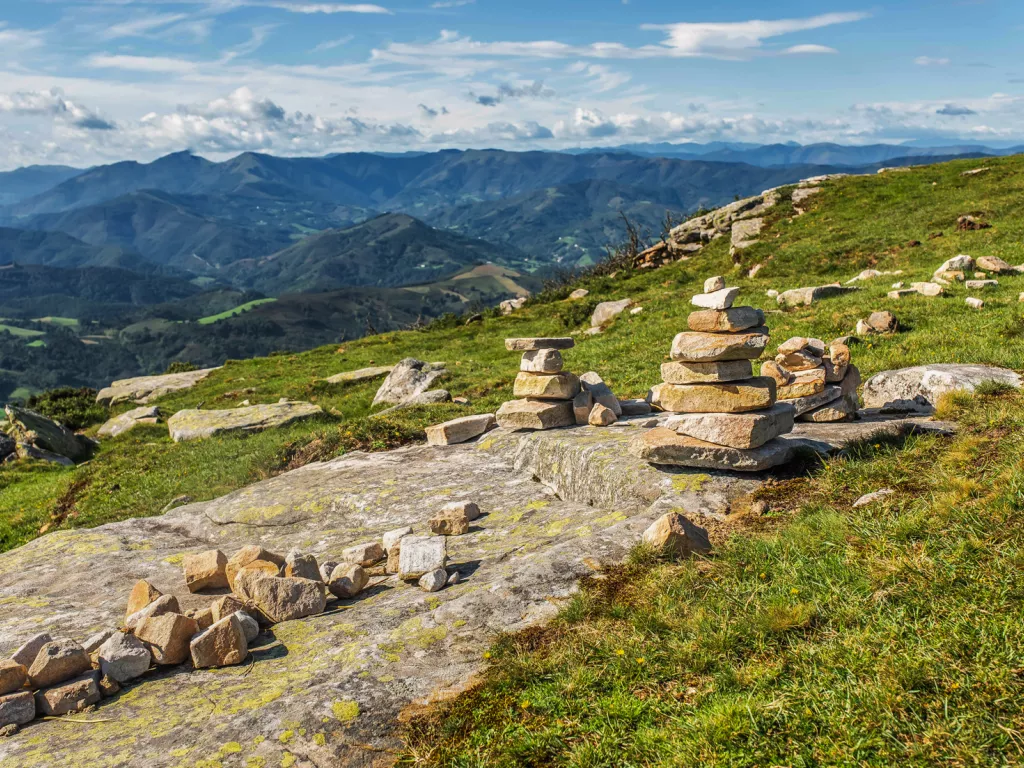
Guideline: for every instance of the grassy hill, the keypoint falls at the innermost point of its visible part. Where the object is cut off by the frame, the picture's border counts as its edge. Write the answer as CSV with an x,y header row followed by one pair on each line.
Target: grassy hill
x,y
815,635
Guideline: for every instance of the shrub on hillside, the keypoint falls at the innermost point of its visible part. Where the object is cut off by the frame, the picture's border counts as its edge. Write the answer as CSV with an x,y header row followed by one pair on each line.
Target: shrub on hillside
x,y
74,408
181,366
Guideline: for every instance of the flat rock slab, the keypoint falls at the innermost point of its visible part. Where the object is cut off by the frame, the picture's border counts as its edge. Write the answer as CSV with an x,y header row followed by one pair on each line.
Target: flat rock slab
x,y
804,297
192,424
126,422
918,389
328,689
363,374
533,344
143,389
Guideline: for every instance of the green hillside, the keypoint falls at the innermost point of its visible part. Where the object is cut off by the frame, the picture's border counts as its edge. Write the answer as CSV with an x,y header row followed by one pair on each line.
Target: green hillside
x,y
815,635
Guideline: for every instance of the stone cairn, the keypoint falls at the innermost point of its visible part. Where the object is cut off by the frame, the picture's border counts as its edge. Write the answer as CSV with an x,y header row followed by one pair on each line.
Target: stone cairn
x,y
726,413
53,676
821,384
546,392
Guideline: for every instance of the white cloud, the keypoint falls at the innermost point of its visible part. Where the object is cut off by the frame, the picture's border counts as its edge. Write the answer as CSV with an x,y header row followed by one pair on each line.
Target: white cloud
x,y
451,3
309,8
330,45
797,49
141,25
928,61
154,64
53,104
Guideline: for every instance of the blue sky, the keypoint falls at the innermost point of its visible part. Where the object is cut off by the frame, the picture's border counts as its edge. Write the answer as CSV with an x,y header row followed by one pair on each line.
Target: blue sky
x,y
87,81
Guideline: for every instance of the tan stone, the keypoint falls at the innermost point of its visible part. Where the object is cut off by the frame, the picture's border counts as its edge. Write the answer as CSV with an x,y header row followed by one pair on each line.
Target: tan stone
x,y
798,361
286,599
775,371
736,430
247,555
601,416
728,397
17,709
450,521
394,557
302,566
673,534
664,446
460,430
803,384
224,607
57,661
837,410
349,579
837,362
582,405
73,696
556,386
541,361
142,594
678,372
167,637
13,676
205,570
600,391
995,264
245,579
535,414
163,604
365,554
698,347
713,284
533,344
725,320
221,645
26,654
203,617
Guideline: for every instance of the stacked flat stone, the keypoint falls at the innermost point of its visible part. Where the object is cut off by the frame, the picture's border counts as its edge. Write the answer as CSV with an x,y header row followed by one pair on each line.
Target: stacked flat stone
x,y
818,381
544,390
725,410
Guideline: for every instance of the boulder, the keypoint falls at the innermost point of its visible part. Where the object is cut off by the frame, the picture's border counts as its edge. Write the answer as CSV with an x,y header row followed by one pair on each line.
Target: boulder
x,y
557,386
730,320
126,422
579,293
542,361
728,397
72,696
142,389
713,284
58,660
919,388
680,372
247,555
736,430
433,581
722,299
221,645
27,653
301,566
142,594
163,604
13,676
167,637
409,378
696,347
205,570
535,414
420,555
364,554
326,568
601,416
460,430
805,297
194,424
286,599
995,264
745,232
362,374
124,657
29,428
592,382
675,535
17,709
607,311
347,580
533,344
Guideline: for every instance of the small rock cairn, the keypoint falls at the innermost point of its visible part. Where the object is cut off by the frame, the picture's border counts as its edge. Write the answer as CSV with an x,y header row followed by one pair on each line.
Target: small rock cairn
x,y
546,391
725,411
821,384
53,676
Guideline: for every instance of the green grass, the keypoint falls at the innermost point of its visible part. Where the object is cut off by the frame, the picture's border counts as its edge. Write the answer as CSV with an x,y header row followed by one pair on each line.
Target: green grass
x,y
821,635
21,332
233,312
68,322
36,343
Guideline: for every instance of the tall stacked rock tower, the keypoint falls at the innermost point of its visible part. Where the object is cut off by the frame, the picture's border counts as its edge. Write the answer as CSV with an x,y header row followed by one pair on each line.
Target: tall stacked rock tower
x,y
546,391
726,413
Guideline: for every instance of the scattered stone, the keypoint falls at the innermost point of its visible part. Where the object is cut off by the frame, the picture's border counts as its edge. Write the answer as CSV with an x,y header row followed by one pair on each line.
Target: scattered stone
x,y
729,397
919,389
433,581
72,696
558,386
142,389
601,392
579,293
363,554
250,627
509,306
92,645
927,289
409,378
13,676
679,372
224,607
974,285
722,299
674,534
348,580
535,414
450,521
17,709
805,297
725,320
246,556
392,537
713,284
738,430
601,416
167,637
771,293
33,430
363,374
326,568
203,618
126,422
995,264
533,344
194,424
420,555
635,407
142,594
205,570
542,361
636,311
221,645
287,599
974,303
582,405
301,566
804,384
871,498
882,322
970,223
124,657
972,172
109,686
58,660
607,311
697,347
163,604
871,274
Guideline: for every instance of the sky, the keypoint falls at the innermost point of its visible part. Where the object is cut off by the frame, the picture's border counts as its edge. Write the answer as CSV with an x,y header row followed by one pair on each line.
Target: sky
x,y
94,81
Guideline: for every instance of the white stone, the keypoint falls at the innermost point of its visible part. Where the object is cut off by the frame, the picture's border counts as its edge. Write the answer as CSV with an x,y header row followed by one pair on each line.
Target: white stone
x,y
918,389
392,537
871,498
722,299
713,284
123,657
974,303
420,555
433,581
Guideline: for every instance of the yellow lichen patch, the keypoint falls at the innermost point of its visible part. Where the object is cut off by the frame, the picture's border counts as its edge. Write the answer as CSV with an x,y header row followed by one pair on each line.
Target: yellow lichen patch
x,y
288,760
690,482
286,736
174,559
231,748
256,762
320,739
486,445
345,710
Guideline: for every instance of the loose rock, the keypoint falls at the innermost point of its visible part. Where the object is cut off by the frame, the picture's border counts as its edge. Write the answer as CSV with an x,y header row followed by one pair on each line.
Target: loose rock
x,y
558,386
601,416
363,554
593,383
582,405
167,637
420,555
12,676
675,535
695,347
721,299
535,414
532,344
287,599
743,430
871,498
680,372
542,361
163,604
123,657
221,645
348,580
730,320
392,537
58,660
142,594
730,397
433,581
17,709
606,311
205,570
247,555
301,566
72,696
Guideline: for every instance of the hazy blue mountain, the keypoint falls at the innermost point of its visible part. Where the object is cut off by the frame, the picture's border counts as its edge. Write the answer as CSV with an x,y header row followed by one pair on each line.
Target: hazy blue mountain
x,y
23,183
57,249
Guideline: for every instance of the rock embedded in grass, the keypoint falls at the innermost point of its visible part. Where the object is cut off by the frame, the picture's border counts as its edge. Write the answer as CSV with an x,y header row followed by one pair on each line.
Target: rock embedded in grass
x,y
918,389
674,534
607,311
871,498
995,264
974,303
